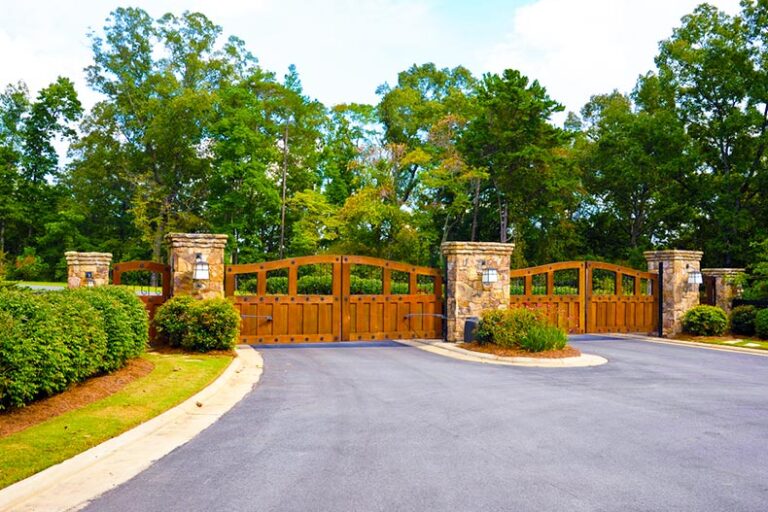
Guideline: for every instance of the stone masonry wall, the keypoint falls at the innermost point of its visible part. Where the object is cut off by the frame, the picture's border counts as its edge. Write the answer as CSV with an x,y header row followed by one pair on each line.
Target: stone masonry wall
x,y
184,248
677,295
80,263
466,295
725,289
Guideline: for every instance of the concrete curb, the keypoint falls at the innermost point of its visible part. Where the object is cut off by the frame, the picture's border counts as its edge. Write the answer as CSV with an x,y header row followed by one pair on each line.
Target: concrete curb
x,y
692,344
451,350
72,484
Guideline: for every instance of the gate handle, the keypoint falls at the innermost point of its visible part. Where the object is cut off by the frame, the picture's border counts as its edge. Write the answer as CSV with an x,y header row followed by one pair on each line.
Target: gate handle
x,y
268,317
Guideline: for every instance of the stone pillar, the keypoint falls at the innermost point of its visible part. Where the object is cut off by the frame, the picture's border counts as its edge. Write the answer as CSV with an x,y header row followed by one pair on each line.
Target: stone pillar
x,y
184,248
725,288
87,268
466,295
677,295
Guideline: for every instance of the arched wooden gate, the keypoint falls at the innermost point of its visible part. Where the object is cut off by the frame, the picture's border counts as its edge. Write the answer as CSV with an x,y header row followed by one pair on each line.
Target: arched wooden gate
x,y
589,296
330,298
151,281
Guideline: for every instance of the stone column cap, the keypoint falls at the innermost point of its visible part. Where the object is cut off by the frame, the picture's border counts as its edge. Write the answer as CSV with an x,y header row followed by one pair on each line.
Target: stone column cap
x,y
197,240
722,271
673,254
447,248
85,257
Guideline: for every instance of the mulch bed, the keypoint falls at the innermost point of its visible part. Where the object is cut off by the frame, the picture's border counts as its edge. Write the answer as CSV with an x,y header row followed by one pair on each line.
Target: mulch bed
x,y
79,395
496,350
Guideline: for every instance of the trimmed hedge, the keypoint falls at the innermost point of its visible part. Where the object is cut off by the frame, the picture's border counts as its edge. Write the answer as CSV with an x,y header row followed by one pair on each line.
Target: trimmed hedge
x,y
520,328
742,320
761,323
51,340
198,325
705,321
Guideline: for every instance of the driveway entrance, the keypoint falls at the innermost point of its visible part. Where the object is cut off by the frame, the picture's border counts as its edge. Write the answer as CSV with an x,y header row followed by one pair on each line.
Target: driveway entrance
x,y
384,427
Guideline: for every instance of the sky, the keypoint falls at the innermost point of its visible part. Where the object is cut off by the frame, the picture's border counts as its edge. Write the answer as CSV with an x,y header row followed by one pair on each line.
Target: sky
x,y
344,49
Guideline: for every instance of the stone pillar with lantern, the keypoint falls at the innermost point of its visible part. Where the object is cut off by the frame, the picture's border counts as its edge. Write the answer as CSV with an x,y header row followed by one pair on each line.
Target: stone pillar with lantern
x,y
87,268
681,276
477,280
197,264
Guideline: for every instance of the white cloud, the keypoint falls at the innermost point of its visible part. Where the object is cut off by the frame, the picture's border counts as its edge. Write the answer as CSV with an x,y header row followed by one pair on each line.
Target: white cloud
x,y
577,49
344,49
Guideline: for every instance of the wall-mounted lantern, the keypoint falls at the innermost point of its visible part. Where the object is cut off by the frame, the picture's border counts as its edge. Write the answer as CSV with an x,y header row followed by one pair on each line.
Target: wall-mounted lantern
x,y
89,282
201,271
490,275
694,276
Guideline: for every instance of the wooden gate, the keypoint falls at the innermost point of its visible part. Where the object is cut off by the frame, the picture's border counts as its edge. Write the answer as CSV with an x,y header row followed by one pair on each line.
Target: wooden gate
x,y
315,299
151,281
589,297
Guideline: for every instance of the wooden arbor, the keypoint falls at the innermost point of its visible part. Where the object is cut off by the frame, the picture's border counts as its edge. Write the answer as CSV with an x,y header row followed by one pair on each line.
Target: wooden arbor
x,y
335,298
589,297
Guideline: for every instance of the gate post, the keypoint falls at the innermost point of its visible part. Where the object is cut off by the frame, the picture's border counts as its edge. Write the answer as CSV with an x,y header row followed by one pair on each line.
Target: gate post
x,y
677,295
184,251
467,292
87,268
725,289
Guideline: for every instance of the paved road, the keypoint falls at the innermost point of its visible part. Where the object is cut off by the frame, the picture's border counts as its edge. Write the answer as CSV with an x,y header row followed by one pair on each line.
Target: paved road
x,y
388,428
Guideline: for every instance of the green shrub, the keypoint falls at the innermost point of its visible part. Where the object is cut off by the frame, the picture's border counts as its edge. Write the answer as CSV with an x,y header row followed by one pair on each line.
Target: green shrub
x,y
28,266
506,327
30,362
742,320
761,323
705,321
214,324
315,285
277,285
365,286
491,323
137,317
51,340
125,323
80,328
203,325
541,337
171,319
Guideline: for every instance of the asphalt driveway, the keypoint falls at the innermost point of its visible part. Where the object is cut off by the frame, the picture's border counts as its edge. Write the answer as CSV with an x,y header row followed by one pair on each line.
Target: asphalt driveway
x,y
383,427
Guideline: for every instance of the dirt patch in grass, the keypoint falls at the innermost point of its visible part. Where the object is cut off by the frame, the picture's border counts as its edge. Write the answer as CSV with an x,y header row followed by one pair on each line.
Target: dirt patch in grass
x,y
496,350
79,395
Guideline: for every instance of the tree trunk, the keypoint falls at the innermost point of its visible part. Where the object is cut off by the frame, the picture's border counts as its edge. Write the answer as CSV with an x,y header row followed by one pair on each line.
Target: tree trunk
x,y
475,208
284,187
503,220
235,257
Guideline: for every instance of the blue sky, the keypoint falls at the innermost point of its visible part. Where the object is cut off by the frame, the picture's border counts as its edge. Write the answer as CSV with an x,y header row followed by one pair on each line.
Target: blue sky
x,y
345,48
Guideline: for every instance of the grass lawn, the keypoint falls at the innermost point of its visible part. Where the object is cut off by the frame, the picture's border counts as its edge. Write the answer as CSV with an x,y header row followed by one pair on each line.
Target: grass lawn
x,y
138,288
175,378
727,341
41,283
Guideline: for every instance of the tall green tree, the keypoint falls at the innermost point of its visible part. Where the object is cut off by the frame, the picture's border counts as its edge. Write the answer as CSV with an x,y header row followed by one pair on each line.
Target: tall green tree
x,y
714,66
530,183
29,162
637,161
160,79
